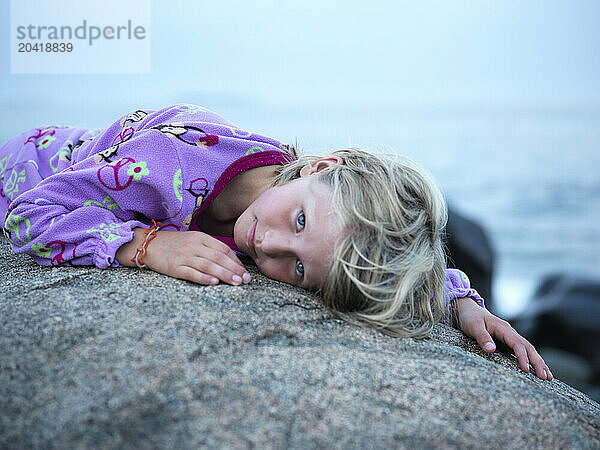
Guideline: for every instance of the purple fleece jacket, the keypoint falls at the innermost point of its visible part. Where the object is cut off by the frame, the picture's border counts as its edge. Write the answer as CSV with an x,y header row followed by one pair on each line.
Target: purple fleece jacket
x,y
73,196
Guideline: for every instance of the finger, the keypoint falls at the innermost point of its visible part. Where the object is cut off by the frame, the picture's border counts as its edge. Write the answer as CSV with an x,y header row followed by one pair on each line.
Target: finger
x,y
224,260
227,258
507,334
523,350
215,244
244,272
541,369
521,354
483,338
220,267
195,276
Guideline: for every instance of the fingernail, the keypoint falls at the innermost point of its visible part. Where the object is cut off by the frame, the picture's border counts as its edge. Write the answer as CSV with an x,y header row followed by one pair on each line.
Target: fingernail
x,y
247,278
214,281
237,279
488,346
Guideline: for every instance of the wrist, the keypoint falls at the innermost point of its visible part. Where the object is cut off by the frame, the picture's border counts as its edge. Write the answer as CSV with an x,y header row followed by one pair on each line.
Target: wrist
x,y
149,234
128,250
153,249
456,306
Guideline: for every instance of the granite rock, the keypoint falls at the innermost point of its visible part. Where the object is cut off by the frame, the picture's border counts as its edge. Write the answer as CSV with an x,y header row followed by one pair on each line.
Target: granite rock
x,y
123,358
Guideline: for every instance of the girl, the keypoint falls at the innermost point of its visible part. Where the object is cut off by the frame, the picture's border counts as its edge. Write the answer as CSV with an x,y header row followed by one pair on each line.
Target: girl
x,y
184,192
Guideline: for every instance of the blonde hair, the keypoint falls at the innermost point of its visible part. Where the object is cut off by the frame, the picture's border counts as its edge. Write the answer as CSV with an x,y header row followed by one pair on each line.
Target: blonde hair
x,y
388,271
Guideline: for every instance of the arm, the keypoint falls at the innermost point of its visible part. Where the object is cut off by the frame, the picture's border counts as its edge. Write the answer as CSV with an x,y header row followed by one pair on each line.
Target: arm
x,y
83,214
467,312
189,255
96,209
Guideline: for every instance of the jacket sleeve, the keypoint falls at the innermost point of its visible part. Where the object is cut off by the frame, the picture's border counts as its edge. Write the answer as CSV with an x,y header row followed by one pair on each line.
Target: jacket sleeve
x,y
457,285
83,214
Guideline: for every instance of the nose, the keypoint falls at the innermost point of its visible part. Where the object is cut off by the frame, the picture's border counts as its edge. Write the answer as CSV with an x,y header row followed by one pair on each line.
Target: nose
x,y
274,243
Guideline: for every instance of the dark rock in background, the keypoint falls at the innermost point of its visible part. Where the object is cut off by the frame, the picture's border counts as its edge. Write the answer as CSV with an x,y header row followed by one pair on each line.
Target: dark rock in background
x,y
470,250
563,320
124,358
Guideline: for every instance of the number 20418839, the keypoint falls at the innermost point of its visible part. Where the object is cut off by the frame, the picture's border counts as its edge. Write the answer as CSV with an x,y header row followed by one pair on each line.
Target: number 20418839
x,y
48,47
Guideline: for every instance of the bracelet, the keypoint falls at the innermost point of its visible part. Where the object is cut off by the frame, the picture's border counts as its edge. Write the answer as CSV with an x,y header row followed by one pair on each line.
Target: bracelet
x,y
149,234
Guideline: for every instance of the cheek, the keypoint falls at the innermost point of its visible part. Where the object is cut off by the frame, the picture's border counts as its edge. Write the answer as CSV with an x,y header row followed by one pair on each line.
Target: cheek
x,y
276,270
237,226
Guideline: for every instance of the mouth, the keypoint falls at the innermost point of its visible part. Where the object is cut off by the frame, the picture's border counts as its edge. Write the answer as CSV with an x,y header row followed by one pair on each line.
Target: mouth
x,y
250,238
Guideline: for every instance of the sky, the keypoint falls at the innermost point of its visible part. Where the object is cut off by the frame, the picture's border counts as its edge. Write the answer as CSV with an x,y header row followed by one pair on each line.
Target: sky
x,y
347,53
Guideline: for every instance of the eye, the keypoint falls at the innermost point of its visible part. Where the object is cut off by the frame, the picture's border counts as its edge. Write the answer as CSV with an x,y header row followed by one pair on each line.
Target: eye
x,y
299,269
300,220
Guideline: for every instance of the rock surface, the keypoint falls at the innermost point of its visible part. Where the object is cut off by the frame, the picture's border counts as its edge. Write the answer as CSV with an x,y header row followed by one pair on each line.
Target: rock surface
x,y
132,359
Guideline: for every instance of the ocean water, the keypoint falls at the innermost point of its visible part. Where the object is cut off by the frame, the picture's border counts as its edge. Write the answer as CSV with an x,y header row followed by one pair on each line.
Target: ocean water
x,y
529,175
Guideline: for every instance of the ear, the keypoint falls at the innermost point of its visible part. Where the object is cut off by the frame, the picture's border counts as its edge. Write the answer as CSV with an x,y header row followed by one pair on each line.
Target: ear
x,y
320,164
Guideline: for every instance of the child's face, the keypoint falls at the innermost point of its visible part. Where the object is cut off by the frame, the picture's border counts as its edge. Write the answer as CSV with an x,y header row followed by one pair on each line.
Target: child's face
x,y
290,232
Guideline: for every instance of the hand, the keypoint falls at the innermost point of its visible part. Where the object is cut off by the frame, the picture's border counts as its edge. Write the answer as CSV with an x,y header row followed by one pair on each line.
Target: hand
x,y
189,255
481,325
